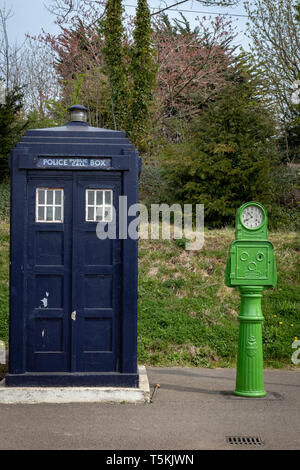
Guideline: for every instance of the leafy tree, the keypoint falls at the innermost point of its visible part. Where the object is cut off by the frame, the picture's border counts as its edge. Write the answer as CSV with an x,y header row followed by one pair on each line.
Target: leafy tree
x,y
114,54
229,157
192,68
293,131
79,66
36,120
78,49
143,76
11,127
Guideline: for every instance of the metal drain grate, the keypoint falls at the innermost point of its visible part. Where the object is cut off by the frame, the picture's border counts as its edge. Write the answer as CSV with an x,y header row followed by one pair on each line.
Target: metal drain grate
x,y
244,441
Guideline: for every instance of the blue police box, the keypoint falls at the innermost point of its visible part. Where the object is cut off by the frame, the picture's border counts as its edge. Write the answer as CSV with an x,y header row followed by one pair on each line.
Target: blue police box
x,y
73,294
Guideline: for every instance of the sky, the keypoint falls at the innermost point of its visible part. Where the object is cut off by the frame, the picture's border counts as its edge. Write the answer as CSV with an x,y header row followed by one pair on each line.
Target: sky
x,y
30,16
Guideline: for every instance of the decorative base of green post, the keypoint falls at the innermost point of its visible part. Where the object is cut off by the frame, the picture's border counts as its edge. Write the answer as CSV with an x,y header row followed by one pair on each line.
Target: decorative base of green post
x,y
250,375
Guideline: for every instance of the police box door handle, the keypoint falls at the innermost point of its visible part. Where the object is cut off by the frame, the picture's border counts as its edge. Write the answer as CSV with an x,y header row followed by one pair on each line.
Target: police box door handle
x,y
73,315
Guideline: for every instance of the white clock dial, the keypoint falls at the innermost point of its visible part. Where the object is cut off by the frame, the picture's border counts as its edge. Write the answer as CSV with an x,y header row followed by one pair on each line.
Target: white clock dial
x,y
252,217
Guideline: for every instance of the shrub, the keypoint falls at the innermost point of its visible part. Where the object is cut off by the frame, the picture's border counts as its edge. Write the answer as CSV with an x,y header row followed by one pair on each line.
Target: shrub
x,y
152,186
4,200
229,156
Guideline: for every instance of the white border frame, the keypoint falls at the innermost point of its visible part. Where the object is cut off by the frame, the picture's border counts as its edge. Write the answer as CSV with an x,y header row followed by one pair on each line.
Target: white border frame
x,y
45,205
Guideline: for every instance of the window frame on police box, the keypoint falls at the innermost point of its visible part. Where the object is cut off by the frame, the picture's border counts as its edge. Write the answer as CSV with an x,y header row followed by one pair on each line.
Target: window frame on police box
x,y
51,205
95,205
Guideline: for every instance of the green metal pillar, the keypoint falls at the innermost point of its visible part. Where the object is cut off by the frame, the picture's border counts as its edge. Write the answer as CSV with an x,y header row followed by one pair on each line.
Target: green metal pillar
x,y
251,269
250,376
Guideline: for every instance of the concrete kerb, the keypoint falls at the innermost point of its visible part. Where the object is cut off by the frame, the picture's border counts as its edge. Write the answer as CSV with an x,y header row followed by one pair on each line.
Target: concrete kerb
x,y
35,395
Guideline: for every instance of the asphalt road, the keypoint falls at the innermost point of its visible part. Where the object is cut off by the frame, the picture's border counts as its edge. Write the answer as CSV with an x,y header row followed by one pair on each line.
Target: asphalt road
x,y
192,409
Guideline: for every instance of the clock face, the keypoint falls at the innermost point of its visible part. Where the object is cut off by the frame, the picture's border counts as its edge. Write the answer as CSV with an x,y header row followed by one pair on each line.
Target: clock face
x,y
252,217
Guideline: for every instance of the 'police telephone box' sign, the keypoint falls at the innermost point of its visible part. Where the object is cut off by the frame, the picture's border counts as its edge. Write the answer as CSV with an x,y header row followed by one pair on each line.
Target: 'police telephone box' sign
x,y
73,296
64,162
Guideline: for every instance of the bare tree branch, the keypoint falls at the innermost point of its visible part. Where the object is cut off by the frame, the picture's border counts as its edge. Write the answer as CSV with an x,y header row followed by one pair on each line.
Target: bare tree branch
x,y
64,9
276,49
10,55
5,15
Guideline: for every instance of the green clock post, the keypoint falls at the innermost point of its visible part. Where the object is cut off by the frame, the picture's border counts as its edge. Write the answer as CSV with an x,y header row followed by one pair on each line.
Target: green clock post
x,y
251,268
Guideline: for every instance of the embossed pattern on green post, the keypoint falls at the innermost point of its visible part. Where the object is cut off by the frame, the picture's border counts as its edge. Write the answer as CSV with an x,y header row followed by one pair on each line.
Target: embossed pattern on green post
x,y
249,378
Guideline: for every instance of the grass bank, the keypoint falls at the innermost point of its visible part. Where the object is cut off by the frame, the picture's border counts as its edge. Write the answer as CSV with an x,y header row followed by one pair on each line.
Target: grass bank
x,y
187,316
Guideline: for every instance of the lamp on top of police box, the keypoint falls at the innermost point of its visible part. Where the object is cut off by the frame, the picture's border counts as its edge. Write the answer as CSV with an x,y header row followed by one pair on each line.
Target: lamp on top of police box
x,y
78,113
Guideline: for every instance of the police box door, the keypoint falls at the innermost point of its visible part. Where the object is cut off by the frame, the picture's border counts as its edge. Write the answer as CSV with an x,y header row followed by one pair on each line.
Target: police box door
x,y
73,278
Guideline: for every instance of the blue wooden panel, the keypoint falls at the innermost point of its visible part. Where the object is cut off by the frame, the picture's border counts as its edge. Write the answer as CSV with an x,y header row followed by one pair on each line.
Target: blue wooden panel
x,y
97,252
48,335
96,284
97,334
130,278
48,279
71,140
17,330
67,131
76,149
98,291
49,247
48,291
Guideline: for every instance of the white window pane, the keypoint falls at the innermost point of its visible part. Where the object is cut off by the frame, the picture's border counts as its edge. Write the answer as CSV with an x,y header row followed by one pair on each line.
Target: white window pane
x,y
99,201
108,197
49,196
99,214
91,198
41,213
107,214
90,214
49,213
58,197
58,216
41,196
